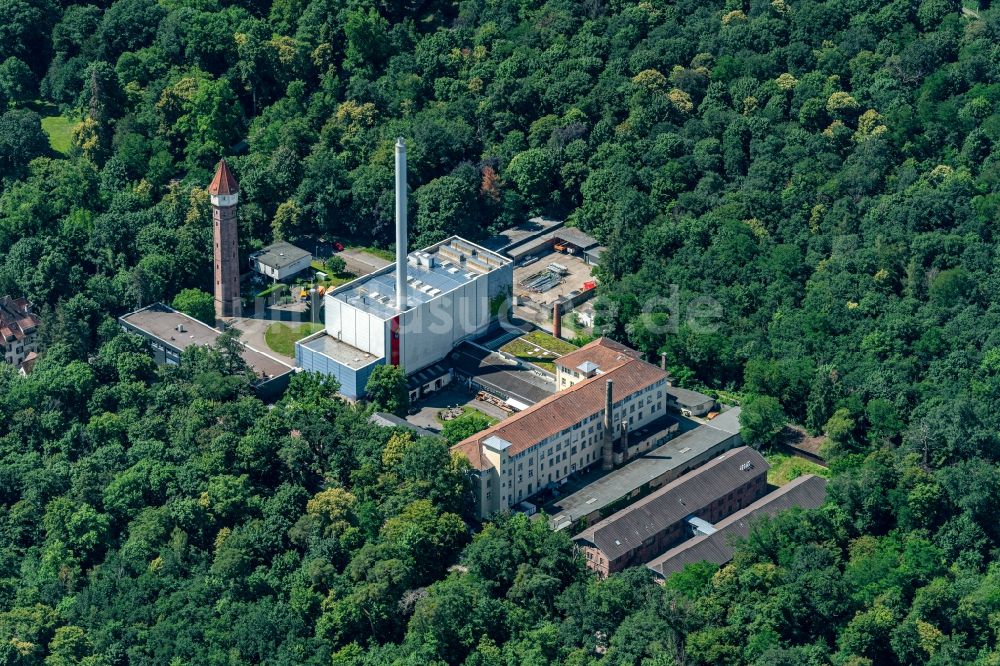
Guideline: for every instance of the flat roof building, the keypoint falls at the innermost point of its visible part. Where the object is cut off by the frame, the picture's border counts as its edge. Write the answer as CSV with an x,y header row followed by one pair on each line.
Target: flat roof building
x,y
169,332
485,370
387,420
280,261
453,292
521,233
807,492
563,238
690,403
641,476
643,530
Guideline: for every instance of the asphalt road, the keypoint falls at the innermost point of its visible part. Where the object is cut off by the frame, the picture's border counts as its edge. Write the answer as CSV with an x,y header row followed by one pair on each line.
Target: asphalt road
x,y
362,263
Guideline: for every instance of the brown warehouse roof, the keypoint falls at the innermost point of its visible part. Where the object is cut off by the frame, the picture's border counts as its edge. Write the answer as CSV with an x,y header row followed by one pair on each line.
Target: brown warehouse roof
x,y
626,530
807,491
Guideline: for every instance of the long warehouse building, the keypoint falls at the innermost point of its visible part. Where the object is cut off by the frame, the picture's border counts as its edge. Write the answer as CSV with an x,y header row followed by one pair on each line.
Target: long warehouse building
x,y
807,492
642,531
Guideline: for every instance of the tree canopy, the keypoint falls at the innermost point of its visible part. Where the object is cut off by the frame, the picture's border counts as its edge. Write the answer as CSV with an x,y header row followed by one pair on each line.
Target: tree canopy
x,y
798,198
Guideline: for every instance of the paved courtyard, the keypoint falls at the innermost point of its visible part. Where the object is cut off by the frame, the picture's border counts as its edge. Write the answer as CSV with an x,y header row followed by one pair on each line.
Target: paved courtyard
x,y
579,272
450,396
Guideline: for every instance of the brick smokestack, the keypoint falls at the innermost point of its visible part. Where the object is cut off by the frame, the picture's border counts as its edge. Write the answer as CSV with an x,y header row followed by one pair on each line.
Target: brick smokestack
x,y
623,438
608,450
556,320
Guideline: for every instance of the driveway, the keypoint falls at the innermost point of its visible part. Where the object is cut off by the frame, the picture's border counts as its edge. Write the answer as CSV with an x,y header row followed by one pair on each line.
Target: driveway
x,y
450,396
361,263
253,336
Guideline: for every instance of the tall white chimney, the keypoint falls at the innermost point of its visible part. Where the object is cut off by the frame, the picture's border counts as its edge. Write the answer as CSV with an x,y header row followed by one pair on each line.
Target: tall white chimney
x,y
400,224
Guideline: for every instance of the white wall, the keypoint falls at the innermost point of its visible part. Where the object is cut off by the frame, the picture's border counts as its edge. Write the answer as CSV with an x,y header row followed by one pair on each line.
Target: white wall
x,y
431,330
292,269
428,331
356,327
284,272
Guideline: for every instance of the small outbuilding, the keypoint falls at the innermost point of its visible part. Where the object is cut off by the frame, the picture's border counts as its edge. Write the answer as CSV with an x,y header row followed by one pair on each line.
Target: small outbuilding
x,y
280,261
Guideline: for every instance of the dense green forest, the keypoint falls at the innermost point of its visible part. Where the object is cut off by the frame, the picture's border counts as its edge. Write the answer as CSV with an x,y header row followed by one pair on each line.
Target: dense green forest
x,y
827,173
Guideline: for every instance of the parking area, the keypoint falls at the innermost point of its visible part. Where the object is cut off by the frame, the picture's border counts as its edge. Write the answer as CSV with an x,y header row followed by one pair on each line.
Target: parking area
x,y
454,395
362,263
576,272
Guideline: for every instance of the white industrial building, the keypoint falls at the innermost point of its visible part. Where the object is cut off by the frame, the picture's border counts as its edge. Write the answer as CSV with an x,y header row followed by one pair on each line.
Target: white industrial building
x,y
410,314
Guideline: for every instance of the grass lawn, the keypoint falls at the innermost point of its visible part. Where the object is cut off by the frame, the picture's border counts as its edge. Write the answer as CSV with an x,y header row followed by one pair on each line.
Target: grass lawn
x,y
281,337
466,410
539,348
60,132
337,280
331,280
387,255
785,468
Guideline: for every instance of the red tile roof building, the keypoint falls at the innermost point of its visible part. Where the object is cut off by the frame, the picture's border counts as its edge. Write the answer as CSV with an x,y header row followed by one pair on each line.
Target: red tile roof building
x,y
564,433
18,330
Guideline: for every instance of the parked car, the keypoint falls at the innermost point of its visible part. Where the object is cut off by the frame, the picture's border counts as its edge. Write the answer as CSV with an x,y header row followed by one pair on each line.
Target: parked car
x,y
338,246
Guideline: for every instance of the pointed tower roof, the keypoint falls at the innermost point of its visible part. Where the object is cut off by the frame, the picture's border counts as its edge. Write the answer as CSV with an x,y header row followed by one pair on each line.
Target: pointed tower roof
x,y
224,182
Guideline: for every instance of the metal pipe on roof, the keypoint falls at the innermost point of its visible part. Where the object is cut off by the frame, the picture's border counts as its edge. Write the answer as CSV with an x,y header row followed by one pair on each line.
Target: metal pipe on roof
x,y
400,224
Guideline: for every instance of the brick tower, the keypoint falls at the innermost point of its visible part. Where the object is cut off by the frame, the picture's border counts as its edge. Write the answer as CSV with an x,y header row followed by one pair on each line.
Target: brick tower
x,y
225,194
